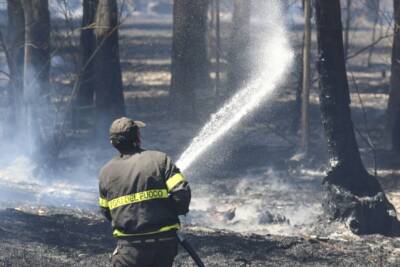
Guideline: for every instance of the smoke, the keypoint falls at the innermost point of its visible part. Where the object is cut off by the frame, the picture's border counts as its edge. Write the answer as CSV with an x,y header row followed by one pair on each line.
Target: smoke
x,y
273,58
28,174
259,201
262,201
267,203
73,177
74,184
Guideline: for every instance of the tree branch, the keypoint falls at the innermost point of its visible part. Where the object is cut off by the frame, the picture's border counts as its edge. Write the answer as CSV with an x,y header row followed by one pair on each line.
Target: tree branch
x,y
58,138
5,73
369,46
7,54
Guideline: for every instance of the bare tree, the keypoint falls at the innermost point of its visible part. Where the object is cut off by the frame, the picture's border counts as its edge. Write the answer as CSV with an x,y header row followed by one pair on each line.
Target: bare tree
x,y
189,69
238,57
305,126
88,45
36,66
299,65
393,110
109,99
351,193
85,95
347,28
15,58
218,51
297,109
376,8
214,40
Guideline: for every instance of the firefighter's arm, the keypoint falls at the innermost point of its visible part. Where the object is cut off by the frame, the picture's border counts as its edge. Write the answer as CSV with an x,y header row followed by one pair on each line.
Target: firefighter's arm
x,y
178,188
103,202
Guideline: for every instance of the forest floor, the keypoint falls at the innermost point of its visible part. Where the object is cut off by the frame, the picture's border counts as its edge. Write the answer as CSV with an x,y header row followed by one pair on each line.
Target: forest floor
x,y
256,171
28,239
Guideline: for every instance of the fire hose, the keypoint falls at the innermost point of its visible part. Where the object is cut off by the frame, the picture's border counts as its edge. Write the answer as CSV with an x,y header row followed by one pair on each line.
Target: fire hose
x,y
186,245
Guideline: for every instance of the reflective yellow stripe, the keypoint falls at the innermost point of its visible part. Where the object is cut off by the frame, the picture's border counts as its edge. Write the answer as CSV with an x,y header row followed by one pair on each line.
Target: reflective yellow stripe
x,y
103,202
118,233
174,180
137,197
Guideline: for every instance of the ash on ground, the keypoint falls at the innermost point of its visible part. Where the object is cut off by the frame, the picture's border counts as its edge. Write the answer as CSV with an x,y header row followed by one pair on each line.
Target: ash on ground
x,y
76,238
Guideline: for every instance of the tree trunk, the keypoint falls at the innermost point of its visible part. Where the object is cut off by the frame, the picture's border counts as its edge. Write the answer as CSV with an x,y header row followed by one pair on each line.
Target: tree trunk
x,y
85,93
376,7
393,110
351,194
218,52
189,68
15,47
238,57
299,65
347,29
88,46
109,99
36,68
305,126
295,126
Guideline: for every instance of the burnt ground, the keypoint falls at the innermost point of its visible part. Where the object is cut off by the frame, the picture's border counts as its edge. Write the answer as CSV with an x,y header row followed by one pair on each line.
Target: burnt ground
x,y
81,239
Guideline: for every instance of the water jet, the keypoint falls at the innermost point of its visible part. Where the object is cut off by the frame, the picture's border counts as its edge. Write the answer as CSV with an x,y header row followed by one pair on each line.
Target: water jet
x,y
274,58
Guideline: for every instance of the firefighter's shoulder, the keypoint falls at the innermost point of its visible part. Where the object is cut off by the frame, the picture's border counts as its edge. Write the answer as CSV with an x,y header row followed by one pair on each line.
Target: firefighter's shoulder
x,y
107,168
155,155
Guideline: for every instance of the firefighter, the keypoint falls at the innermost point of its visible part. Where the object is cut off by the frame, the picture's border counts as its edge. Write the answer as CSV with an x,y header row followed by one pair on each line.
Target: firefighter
x,y
142,193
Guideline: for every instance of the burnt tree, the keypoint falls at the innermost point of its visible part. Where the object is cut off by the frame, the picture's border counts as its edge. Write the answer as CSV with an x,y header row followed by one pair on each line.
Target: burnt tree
x,y
109,99
36,68
351,193
296,111
299,66
305,103
189,68
217,50
84,97
347,28
87,48
238,56
15,58
375,6
393,110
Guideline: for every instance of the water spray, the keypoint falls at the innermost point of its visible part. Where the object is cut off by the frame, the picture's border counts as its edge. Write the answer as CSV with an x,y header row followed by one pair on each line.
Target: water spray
x,y
274,58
